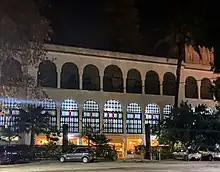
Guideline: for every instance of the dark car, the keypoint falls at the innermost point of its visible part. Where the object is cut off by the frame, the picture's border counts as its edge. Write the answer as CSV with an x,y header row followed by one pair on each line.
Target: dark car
x,y
83,154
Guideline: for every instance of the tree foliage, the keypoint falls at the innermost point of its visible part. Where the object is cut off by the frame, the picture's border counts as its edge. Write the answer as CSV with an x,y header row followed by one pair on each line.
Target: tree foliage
x,y
34,122
190,126
23,31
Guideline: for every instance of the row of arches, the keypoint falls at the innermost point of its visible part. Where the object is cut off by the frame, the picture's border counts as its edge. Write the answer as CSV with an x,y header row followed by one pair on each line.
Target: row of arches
x,y
112,80
112,115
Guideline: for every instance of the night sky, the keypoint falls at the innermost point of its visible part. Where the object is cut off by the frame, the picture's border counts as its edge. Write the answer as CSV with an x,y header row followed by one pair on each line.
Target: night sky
x,y
82,23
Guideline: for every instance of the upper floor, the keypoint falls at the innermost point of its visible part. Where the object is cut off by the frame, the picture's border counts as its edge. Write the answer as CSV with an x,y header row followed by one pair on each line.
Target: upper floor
x,y
70,68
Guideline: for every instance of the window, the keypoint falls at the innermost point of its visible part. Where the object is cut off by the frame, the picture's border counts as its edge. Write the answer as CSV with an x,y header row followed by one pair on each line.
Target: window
x,y
152,115
133,119
70,115
50,107
10,113
112,117
90,116
167,111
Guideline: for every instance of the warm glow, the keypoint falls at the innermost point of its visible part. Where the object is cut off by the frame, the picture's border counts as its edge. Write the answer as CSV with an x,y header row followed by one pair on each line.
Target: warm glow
x,y
41,140
154,141
133,142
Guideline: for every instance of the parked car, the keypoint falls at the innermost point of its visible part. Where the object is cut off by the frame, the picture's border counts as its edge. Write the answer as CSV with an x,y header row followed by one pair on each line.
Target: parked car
x,y
187,154
83,154
209,153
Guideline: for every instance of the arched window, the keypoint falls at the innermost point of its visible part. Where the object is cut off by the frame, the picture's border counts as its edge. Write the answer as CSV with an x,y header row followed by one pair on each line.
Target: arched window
x,y
91,79
169,84
205,89
11,72
69,76
90,116
167,111
113,80
191,88
133,82
70,115
133,119
10,113
152,83
47,74
152,115
113,117
50,106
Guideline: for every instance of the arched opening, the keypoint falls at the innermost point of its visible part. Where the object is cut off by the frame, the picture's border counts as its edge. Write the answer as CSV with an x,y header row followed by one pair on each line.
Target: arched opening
x,y
91,116
91,79
152,114
191,88
205,89
69,76
152,83
70,115
50,107
11,73
133,82
169,84
112,117
113,80
47,74
167,111
133,119
11,113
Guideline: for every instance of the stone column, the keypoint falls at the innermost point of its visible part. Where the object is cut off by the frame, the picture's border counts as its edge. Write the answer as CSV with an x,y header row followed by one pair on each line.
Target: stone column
x,y
101,81
161,87
124,84
143,85
80,82
124,131
80,123
101,120
199,89
58,76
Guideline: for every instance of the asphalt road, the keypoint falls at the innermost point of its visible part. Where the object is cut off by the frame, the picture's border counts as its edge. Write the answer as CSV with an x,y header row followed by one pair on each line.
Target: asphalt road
x,y
163,166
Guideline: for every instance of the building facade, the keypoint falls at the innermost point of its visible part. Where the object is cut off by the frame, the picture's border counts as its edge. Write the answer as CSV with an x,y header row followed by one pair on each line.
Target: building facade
x,y
116,93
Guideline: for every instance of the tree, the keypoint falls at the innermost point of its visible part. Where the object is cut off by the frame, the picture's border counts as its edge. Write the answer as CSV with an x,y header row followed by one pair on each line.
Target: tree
x,y
23,31
182,29
100,141
34,122
191,127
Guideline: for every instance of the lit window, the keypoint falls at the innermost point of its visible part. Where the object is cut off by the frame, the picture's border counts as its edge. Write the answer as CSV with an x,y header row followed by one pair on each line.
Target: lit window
x,y
133,119
152,115
70,115
113,117
90,116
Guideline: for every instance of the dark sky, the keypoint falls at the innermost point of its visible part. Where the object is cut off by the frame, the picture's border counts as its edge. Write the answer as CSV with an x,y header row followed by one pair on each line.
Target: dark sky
x,y
83,22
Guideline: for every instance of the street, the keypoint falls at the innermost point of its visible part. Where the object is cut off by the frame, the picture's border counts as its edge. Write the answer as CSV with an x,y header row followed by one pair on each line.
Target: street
x,y
163,166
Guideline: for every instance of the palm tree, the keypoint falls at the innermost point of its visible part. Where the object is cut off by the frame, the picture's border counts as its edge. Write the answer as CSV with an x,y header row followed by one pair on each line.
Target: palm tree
x,y
32,121
179,34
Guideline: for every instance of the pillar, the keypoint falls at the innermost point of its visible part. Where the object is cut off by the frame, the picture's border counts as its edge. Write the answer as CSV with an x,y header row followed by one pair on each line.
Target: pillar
x,y
143,85
80,123
124,84
58,76
161,87
199,87
101,81
124,131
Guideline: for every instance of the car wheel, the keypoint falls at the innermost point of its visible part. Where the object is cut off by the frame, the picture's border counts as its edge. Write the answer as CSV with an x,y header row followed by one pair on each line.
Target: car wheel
x,y
210,158
62,159
85,160
186,158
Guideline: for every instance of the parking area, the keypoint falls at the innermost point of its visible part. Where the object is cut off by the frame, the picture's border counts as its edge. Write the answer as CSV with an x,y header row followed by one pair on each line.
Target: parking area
x,y
162,166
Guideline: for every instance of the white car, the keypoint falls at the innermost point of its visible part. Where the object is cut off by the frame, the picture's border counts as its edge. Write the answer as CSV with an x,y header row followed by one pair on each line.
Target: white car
x,y
187,154
210,153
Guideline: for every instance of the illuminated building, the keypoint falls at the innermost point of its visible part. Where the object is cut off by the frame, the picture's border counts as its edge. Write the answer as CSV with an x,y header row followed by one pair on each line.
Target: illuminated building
x,y
117,93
